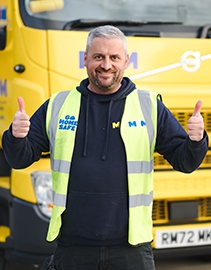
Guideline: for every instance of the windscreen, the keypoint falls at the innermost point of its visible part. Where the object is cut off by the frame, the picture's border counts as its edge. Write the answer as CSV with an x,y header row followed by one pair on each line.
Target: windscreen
x,y
187,12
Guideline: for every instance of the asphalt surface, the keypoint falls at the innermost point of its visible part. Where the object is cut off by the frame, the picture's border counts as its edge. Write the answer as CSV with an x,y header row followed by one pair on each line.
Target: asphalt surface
x,y
190,263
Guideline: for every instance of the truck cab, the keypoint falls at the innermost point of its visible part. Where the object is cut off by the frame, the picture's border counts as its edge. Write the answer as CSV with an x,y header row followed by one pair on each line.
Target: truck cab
x,y
42,45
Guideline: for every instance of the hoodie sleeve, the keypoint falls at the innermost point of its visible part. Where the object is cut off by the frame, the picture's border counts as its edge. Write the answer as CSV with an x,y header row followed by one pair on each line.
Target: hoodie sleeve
x,y
22,152
174,144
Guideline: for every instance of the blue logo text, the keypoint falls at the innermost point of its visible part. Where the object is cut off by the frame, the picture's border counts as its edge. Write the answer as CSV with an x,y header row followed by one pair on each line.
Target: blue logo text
x,y
141,123
3,88
68,123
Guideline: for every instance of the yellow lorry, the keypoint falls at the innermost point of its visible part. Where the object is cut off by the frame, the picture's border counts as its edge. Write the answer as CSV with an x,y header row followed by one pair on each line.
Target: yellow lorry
x,y
42,45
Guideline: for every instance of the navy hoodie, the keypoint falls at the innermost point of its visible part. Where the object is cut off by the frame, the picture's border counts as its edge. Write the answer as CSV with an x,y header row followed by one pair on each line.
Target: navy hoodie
x,y
97,201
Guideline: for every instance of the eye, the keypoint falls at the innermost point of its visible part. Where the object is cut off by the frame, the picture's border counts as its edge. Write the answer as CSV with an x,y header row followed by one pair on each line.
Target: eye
x,y
98,57
115,57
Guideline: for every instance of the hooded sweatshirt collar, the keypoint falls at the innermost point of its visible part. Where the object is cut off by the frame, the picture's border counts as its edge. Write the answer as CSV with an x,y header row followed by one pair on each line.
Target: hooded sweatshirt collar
x,y
127,86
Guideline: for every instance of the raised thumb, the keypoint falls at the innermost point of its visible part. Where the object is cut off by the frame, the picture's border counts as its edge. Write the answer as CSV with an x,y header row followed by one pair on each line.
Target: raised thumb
x,y
21,105
197,108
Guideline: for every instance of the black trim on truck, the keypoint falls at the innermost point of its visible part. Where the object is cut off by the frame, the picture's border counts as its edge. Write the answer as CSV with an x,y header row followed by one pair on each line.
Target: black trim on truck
x,y
182,252
2,37
27,243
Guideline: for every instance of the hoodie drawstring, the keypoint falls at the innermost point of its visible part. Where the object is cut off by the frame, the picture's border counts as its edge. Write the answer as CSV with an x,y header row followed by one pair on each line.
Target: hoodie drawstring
x,y
87,126
105,148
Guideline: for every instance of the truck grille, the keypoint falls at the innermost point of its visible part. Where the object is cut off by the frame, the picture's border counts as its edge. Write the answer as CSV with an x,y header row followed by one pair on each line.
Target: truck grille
x,y
160,213
205,207
160,210
182,116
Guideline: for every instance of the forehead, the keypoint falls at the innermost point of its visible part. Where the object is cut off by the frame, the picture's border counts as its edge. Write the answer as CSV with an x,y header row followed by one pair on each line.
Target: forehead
x,y
107,45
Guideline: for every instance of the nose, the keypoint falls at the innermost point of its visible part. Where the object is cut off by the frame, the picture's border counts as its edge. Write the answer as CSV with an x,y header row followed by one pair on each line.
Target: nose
x,y
106,63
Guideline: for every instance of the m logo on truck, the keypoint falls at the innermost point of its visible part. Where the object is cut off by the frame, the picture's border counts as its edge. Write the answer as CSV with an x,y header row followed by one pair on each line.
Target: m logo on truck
x,y
3,88
3,15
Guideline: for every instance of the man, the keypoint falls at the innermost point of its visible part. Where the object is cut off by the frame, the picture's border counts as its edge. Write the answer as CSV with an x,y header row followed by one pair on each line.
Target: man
x,y
102,166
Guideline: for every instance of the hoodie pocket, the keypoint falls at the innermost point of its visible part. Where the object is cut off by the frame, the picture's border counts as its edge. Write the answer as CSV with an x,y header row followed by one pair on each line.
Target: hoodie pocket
x,y
96,216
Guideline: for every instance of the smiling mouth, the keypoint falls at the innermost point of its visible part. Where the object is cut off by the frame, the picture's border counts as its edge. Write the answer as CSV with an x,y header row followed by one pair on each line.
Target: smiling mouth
x,y
105,74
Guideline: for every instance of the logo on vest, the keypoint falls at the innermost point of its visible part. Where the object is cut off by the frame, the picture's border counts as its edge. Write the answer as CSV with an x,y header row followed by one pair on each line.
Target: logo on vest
x,y
140,123
68,123
115,125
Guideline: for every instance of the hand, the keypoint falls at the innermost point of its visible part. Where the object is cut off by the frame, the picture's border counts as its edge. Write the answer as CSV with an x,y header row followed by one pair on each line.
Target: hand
x,y
196,124
21,123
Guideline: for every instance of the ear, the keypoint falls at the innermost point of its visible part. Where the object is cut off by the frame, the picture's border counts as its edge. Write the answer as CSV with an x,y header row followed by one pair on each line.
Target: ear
x,y
85,58
127,61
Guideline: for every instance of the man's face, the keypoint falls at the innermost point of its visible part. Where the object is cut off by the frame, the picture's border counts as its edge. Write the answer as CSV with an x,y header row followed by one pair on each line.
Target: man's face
x,y
105,61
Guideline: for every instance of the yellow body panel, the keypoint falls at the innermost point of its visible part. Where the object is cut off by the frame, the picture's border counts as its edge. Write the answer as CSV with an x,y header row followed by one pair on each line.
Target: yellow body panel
x,y
173,185
21,181
177,68
5,182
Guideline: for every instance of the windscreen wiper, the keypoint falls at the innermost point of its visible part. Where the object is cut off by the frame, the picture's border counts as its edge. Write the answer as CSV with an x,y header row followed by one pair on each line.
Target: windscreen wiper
x,y
83,23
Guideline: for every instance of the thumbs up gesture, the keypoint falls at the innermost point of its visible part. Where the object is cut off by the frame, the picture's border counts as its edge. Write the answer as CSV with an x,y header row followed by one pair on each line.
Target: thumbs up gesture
x,y
196,124
21,123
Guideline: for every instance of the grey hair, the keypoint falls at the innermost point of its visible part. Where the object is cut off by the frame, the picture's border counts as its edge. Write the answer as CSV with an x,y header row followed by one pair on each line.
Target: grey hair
x,y
107,31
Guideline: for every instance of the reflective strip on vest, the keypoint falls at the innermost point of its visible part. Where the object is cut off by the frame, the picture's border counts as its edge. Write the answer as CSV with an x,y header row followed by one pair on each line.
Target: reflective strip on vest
x,y
141,200
146,105
140,166
60,166
56,106
59,199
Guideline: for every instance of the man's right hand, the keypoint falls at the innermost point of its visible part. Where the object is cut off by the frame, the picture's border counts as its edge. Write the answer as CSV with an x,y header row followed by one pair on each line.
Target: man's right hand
x,y
21,123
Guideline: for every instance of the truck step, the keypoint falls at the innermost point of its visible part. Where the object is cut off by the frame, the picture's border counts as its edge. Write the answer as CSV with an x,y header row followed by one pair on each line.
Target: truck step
x,y
4,233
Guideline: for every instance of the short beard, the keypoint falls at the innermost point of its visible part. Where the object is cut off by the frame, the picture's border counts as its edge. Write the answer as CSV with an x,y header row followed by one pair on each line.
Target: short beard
x,y
104,87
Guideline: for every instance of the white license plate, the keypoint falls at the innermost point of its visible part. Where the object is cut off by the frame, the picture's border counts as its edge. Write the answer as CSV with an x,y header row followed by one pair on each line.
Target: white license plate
x,y
183,237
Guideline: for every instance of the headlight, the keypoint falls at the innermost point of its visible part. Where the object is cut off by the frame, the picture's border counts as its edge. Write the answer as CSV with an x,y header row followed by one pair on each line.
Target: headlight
x,y
42,182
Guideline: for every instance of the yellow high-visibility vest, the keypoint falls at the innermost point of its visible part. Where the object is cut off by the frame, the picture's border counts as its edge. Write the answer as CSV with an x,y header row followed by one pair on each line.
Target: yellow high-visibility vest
x,y
138,130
